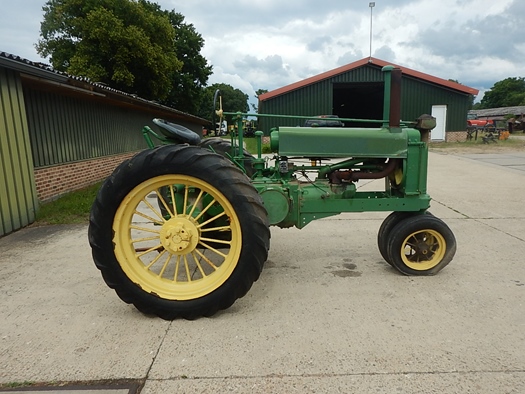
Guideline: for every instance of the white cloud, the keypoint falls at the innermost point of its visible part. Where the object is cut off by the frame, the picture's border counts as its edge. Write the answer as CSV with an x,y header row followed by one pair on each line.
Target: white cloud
x,y
267,44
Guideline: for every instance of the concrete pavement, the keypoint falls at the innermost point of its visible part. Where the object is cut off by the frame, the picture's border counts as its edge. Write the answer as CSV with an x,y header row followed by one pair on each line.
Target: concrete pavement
x,y
326,316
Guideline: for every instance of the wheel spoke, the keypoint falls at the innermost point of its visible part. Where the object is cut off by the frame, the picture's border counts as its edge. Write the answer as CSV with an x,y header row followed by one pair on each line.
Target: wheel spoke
x,y
218,241
206,259
176,274
155,260
173,200
195,203
165,265
205,209
186,266
154,210
222,228
164,204
153,220
136,240
149,230
212,219
213,249
185,205
198,264
155,248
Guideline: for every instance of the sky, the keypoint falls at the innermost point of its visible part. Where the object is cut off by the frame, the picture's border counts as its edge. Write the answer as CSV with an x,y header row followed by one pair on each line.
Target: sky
x,y
267,44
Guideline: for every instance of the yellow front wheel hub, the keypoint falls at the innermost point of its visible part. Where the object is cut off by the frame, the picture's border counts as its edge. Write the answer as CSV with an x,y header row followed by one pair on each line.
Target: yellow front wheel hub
x,y
423,250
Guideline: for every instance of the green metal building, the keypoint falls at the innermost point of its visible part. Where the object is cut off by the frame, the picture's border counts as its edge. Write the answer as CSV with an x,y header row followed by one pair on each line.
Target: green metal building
x,y
60,132
356,91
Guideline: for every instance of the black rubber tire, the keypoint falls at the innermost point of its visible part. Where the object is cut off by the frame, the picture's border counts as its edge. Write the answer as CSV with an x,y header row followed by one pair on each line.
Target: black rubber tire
x,y
385,229
214,172
223,148
421,245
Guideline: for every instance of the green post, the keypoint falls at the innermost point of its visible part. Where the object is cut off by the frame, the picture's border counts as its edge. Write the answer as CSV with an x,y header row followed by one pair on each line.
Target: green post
x,y
240,134
386,100
258,163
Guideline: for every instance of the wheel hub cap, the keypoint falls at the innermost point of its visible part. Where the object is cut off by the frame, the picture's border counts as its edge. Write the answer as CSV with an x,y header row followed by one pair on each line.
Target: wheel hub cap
x,y
179,236
423,248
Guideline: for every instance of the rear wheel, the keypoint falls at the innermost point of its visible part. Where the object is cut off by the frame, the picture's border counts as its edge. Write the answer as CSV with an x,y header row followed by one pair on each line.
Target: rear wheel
x,y
202,255
421,245
224,148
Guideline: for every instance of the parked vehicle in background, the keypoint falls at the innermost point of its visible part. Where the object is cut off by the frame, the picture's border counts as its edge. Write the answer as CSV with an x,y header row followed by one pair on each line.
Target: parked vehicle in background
x,y
324,121
221,128
473,121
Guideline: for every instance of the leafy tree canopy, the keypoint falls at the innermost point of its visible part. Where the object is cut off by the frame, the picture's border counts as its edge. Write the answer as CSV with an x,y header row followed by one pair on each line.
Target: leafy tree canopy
x,y
258,92
509,92
187,86
129,45
233,100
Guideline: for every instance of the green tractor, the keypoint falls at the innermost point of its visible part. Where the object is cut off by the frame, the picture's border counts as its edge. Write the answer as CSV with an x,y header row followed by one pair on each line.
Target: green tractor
x,y
181,230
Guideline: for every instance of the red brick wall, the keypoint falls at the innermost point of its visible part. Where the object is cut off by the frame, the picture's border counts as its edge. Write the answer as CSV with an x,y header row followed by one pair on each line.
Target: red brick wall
x,y
455,136
52,182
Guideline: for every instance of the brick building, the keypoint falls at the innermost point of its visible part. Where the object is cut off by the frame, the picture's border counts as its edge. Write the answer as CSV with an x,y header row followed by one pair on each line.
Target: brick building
x,y
59,133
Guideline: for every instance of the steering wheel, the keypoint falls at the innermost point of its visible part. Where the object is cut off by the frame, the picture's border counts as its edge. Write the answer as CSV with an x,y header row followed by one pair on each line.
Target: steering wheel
x,y
217,112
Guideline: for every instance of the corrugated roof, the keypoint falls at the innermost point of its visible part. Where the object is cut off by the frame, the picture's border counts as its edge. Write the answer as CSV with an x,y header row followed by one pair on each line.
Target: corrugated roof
x,y
483,113
47,72
363,62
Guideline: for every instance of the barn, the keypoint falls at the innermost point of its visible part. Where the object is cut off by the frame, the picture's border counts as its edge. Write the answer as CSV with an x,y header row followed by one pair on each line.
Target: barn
x,y
61,133
355,91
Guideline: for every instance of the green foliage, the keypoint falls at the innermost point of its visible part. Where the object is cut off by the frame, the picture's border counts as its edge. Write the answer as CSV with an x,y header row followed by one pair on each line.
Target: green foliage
x,y
251,146
233,100
477,106
118,42
187,85
258,92
509,92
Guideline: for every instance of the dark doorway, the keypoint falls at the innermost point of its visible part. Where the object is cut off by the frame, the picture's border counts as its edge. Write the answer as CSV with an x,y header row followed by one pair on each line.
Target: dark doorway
x,y
359,101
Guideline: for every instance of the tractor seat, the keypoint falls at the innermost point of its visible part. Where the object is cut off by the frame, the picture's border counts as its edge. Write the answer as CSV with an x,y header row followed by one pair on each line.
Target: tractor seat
x,y
177,133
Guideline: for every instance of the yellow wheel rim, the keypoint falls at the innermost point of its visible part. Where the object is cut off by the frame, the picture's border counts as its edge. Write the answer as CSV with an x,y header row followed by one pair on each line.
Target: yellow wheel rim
x,y
423,250
185,254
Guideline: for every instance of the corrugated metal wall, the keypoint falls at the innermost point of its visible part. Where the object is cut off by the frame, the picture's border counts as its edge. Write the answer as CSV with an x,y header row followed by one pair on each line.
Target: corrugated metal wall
x,y
90,129
417,98
312,100
18,201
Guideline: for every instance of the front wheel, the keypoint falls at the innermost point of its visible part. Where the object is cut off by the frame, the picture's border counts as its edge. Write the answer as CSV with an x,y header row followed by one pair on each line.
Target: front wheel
x,y
385,229
421,245
195,256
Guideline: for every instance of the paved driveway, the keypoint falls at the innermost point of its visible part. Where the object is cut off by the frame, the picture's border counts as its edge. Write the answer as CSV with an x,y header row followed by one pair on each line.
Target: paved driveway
x,y
327,315
510,160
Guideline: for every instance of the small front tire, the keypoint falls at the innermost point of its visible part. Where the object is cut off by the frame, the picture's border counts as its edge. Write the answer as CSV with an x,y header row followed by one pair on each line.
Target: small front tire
x,y
384,231
421,245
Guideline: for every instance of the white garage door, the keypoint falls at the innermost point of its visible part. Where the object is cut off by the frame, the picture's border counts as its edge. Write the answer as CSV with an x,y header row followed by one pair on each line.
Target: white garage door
x,y
440,113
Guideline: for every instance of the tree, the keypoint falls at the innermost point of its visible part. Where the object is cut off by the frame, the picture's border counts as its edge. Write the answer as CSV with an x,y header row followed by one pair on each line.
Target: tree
x,y
258,92
187,86
118,42
233,100
509,92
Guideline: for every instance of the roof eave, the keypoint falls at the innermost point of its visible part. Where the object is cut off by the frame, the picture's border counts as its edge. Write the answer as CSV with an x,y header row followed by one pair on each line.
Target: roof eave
x,y
369,60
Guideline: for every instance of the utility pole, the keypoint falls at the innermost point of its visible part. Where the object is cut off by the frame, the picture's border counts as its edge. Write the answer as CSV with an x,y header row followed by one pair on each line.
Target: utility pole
x,y
371,5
